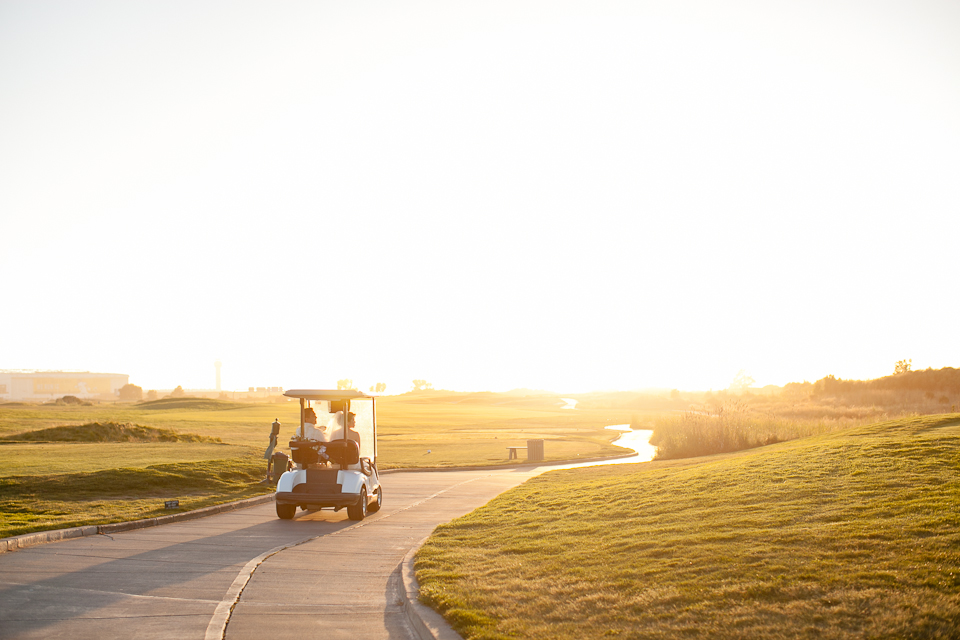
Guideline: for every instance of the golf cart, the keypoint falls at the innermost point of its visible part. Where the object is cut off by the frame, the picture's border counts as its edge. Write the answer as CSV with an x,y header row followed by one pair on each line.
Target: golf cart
x,y
334,455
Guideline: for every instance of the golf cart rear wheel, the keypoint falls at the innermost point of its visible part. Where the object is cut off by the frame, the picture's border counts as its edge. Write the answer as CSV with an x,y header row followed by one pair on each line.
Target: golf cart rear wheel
x,y
286,511
375,505
359,510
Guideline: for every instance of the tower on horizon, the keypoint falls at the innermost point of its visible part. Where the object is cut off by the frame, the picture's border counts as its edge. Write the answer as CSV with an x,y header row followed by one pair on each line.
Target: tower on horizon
x,y
217,365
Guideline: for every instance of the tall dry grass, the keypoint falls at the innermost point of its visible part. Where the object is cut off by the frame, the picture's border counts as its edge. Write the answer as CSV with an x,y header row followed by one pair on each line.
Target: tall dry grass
x,y
734,426
727,421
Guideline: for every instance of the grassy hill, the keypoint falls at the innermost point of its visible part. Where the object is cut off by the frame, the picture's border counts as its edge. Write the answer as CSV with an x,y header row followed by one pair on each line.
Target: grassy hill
x,y
848,534
96,473
105,432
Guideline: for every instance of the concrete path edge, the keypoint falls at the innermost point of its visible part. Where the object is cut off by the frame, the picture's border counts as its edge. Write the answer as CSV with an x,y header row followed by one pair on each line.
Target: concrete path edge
x,y
41,537
428,624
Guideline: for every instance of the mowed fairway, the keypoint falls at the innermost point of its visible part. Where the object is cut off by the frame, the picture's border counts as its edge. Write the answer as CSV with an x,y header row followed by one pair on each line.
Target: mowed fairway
x,y
852,534
458,428
47,485
476,429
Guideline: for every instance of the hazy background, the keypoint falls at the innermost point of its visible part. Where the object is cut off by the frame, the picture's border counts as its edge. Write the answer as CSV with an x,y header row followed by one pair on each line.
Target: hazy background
x,y
487,195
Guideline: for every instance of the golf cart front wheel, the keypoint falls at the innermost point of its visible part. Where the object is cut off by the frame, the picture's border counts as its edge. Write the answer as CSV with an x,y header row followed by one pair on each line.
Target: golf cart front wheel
x,y
375,505
286,511
359,510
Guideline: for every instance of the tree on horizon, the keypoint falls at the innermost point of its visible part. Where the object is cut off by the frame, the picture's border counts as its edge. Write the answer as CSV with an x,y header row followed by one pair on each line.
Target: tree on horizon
x,y
902,366
421,385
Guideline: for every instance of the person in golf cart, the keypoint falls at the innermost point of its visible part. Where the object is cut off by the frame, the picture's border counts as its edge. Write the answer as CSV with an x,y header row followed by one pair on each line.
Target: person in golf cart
x,y
352,428
310,430
323,433
335,460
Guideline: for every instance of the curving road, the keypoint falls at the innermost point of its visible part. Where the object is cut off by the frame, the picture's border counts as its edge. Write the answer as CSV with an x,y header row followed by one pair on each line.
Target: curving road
x,y
242,574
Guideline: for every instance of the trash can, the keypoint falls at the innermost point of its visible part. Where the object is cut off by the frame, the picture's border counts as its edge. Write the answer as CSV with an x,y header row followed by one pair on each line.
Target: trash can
x,y
279,465
535,450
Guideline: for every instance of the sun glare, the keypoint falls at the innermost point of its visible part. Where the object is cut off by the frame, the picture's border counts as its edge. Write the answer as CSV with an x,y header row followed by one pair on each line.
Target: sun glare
x,y
569,197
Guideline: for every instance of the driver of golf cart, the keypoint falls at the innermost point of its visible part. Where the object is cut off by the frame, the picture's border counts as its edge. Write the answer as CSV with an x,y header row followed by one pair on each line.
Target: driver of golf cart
x,y
323,432
334,425
310,431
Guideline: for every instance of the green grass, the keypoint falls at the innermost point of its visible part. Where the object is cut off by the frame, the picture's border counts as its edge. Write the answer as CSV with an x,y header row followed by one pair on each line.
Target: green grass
x,y
849,534
37,502
58,458
100,472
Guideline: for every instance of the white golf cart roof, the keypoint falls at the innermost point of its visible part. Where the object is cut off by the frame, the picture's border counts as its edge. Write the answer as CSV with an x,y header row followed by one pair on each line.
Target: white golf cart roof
x,y
324,394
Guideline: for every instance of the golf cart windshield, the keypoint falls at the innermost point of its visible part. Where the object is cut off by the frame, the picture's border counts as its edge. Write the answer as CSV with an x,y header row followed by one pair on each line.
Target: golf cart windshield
x,y
340,418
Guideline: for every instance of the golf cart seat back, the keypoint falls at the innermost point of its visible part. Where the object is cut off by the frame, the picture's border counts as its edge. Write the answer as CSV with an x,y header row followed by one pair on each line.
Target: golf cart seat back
x,y
345,452
342,452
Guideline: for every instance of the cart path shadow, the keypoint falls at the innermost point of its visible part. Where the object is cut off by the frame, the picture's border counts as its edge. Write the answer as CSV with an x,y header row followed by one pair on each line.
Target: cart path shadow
x,y
182,581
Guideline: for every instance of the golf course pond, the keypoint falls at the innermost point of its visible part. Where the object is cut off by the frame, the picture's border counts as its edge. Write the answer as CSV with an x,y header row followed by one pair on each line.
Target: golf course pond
x,y
638,440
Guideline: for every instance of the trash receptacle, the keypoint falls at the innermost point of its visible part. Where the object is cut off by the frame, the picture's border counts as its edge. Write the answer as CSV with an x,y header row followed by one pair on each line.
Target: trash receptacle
x,y
535,450
279,465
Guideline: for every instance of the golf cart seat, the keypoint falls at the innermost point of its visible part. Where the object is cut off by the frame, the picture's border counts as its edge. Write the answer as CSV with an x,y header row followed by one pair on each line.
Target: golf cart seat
x,y
345,452
342,452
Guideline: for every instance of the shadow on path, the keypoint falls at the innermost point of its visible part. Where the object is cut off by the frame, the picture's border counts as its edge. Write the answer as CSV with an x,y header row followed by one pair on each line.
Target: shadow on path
x,y
172,572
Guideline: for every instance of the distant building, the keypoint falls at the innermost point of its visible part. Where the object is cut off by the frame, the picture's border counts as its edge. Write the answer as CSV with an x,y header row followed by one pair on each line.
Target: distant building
x,y
40,386
260,392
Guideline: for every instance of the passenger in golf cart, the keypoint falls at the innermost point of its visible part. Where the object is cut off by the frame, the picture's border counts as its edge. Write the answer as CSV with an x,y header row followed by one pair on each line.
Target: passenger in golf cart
x,y
334,451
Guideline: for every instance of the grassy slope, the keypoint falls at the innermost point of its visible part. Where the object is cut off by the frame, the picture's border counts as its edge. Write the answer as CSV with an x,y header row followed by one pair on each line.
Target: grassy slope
x,y
57,500
59,483
246,424
105,432
852,534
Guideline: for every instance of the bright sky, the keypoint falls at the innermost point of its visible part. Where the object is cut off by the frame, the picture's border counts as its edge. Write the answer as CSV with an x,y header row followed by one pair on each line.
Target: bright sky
x,y
563,195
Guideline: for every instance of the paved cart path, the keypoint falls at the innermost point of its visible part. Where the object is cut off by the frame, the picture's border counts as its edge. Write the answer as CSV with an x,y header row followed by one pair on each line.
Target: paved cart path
x,y
319,573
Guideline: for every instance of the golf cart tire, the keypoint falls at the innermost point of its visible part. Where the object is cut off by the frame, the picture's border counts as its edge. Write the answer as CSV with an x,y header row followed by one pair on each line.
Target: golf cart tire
x,y
359,511
286,511
375,505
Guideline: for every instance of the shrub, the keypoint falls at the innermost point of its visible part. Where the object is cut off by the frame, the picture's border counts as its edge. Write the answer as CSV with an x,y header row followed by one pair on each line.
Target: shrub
x,y
131,392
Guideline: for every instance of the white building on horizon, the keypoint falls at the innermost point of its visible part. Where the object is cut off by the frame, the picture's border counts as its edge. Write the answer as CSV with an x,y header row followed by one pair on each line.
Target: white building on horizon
x,y
42,386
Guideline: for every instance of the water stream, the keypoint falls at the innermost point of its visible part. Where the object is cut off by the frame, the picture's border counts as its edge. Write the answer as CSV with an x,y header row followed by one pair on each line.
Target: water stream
x,y
638,440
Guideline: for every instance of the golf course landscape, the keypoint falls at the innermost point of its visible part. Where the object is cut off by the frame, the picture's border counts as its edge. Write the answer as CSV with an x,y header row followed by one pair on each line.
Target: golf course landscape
x,y
840,522
71,465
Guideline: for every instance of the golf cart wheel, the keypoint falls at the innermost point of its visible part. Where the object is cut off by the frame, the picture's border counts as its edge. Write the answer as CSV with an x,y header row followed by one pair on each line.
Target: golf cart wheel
x,y
359,510
375,505
286,511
